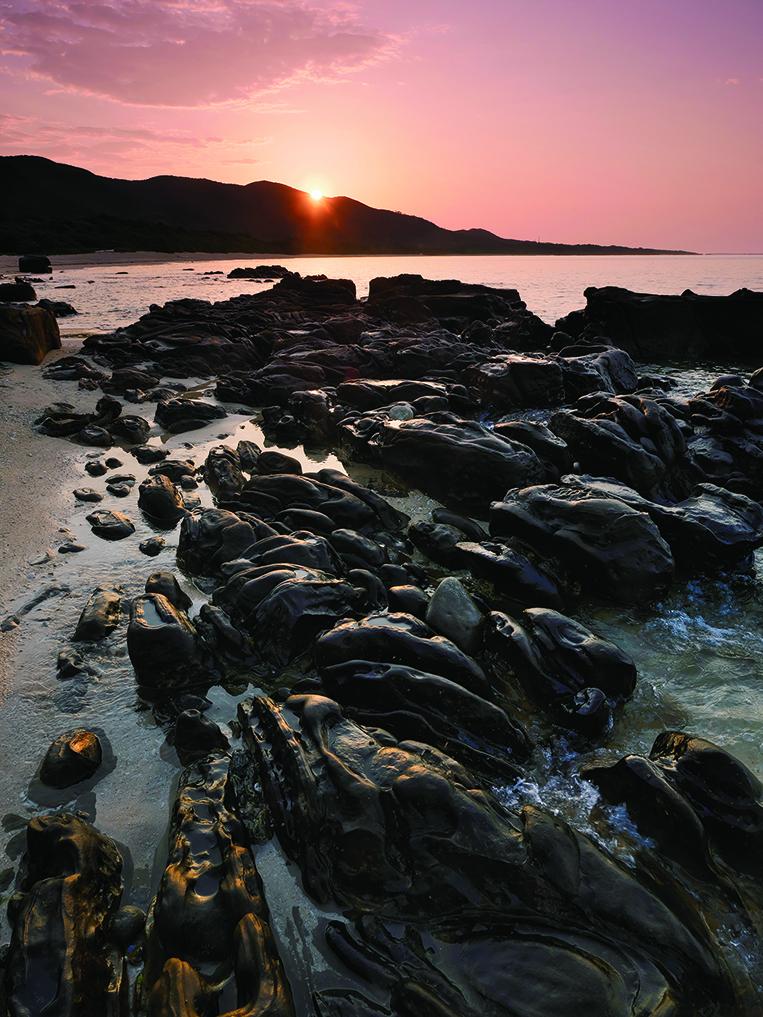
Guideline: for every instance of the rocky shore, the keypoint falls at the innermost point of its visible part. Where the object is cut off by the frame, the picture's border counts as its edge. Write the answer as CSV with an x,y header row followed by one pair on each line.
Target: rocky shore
x,y
339,846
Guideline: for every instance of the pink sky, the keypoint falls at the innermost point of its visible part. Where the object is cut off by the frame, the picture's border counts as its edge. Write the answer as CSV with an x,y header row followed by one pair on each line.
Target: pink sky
x,y
633,122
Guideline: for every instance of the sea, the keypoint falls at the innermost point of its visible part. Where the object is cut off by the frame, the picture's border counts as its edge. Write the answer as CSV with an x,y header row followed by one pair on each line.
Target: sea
x,y
110,289
699,652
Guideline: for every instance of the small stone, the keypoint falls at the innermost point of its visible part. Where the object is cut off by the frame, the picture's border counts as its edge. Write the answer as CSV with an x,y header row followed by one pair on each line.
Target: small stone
x,y
100,614
87,494
151,546
71,547
165,583
71,758
110,525
454,614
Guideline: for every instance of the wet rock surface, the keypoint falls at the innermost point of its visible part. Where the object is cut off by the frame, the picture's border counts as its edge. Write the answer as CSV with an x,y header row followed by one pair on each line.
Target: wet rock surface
x,y
61,958
352,688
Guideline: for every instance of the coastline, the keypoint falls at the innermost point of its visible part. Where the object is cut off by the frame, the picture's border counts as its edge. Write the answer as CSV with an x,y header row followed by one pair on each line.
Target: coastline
x,y
33,498
96,259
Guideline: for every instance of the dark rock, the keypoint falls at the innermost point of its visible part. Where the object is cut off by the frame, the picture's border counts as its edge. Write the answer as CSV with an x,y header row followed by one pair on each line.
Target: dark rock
x,y
399,639
655,327
87,494
210,913
131,429
27,334
127,926
92,434
555,658
60,958
284,607
124,379
512,380
195,736
547,446
19,290
100,615
277,462
248,453
160,500
427,708
69,663
713,529
151,546
177,415
612,549
71,758
222,472
512,573
149,454
422,856
164,646
408,599
71,547
58,308
36,263
694,798
259,272
630,438
166,584
454,614
464,463
210,538
96,467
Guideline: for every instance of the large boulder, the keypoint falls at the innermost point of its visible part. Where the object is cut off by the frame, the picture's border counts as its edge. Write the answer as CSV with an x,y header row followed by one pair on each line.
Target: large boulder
x,y
210,914
711,530
164,645
412,704
461,462
695,798
35,263
27,334
685,326
284,607
512,380
555,658
212,537
62,959
399,638
633,439
614,551
19,290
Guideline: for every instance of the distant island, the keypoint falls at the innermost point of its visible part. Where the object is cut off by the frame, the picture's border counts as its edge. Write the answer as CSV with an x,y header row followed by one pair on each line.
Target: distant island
x,y
54,208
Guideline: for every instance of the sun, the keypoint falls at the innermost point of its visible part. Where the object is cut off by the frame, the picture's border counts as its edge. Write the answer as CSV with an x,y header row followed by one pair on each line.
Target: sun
x,y
316,195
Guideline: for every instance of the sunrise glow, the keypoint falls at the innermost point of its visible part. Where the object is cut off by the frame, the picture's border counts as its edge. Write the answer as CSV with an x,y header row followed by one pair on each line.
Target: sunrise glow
x,y
316,195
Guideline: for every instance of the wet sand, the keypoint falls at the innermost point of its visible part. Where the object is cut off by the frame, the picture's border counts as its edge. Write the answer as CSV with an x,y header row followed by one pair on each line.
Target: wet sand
x,y
34,495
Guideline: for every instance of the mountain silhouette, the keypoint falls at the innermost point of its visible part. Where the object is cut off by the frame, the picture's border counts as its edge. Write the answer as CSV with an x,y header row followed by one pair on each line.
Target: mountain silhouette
x,y
55,208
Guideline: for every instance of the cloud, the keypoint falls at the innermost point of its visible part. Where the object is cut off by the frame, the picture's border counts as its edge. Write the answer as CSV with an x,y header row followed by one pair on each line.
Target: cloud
x,y
184,52
146,148
733,82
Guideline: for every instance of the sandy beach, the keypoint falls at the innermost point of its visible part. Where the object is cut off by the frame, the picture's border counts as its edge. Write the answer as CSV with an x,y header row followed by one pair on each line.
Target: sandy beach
x,y
33,497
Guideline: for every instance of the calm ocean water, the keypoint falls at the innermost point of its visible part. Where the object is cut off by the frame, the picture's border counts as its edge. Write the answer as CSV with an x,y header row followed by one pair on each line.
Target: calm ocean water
x,y
109,295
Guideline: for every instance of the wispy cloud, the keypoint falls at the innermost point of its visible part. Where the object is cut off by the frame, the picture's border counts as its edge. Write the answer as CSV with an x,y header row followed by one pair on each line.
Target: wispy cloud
x,y
98,147
186,53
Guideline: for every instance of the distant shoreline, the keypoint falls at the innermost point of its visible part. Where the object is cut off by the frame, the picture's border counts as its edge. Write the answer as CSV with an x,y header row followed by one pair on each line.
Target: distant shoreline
x,y
9,262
